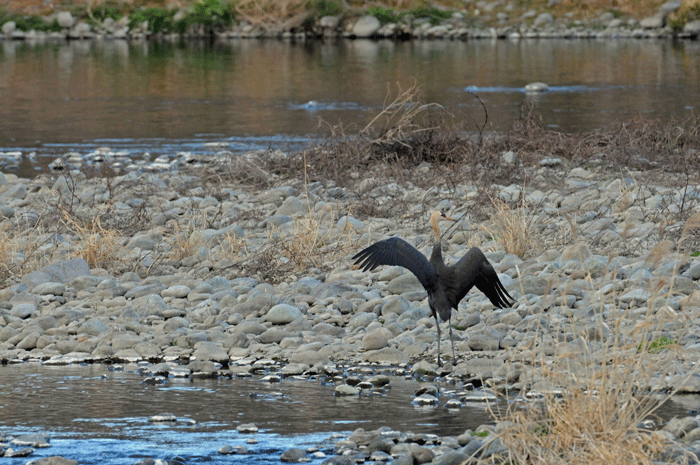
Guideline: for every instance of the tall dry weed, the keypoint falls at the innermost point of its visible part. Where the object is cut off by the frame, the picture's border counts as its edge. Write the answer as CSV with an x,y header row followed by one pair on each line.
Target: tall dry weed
x,y
512,228
97,245
589,395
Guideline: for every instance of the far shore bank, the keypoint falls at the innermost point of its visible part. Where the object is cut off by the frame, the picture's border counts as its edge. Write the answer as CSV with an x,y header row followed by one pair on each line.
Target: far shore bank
x,y
489,20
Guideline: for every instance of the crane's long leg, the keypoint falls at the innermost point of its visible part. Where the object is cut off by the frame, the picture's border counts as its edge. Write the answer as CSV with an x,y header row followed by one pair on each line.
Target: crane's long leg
x,y
437,325
452,341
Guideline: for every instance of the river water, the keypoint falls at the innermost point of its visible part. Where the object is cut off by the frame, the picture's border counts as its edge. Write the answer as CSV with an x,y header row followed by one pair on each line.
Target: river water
x,y
249,94
94,411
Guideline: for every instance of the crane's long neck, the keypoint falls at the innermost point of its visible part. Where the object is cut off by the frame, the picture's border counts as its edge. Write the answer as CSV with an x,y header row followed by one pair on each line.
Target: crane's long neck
x,y
436,228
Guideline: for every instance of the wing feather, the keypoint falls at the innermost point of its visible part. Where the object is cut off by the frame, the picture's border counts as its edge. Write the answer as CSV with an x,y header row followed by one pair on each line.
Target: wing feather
x,y
474,269
397,252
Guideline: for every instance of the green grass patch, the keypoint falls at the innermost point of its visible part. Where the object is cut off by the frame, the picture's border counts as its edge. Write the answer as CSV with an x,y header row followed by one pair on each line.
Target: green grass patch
x,y
28,23
327,8
658,345
435,15
384,15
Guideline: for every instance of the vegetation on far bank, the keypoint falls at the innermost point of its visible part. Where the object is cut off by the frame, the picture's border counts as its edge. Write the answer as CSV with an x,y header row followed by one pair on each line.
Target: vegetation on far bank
x,y
177,16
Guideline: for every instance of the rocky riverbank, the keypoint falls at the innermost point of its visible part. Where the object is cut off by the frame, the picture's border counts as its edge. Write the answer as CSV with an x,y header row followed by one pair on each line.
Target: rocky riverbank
x,y
481,20
222,268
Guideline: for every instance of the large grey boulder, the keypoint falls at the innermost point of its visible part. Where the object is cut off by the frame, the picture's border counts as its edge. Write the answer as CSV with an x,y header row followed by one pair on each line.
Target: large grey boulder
x,y
59,272
366,26
282,314
9,27
65,19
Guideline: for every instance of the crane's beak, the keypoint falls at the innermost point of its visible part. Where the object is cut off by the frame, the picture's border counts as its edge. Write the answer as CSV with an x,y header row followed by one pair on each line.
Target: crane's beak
x,y
448,218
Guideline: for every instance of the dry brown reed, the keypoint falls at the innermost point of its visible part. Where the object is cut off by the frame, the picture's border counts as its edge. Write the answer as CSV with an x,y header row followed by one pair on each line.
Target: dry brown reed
x,y
589,395
512,228
97,245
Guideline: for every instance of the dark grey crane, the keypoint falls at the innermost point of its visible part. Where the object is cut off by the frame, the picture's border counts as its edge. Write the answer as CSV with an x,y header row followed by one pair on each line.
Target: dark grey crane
x,y
445,285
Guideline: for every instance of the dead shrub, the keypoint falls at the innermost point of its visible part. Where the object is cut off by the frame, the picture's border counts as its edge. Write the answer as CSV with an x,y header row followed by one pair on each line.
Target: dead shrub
x,y
307,245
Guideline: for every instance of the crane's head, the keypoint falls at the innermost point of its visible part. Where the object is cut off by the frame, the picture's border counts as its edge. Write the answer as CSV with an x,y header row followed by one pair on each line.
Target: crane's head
x,y
435,218
439,216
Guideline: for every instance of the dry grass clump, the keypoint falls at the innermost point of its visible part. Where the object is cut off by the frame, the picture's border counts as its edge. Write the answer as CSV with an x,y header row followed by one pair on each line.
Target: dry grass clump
x,y
97,245
182,243
512,228
591,398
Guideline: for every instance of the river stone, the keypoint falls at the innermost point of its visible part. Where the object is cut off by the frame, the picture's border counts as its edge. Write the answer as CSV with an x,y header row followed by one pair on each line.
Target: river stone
x,y
125,341
542,19
292,206
163,418
396,305
536,87
294,455
29,342
59,272
65,19
211,351
652,22
338,460
49,289
148,350
54,460
535,285
23,452
273,335
247,428
366,26
144,290
376,339
451,458
93,328
7,333
346,390
309,357
350,223
261,303
422,454
281,314
127,356
692,28
485,339
46,322
16,191
330,289
23,310
85,282
405,283
9,27
250,327
405,459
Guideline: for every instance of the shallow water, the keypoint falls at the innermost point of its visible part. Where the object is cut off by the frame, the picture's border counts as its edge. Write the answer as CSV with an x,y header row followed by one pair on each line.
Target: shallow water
x,y
91,410
250,94
95,414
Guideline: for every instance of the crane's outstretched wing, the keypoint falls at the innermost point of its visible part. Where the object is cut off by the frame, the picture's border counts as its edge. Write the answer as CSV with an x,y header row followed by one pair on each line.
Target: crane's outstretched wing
x,y
396,251
474,269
